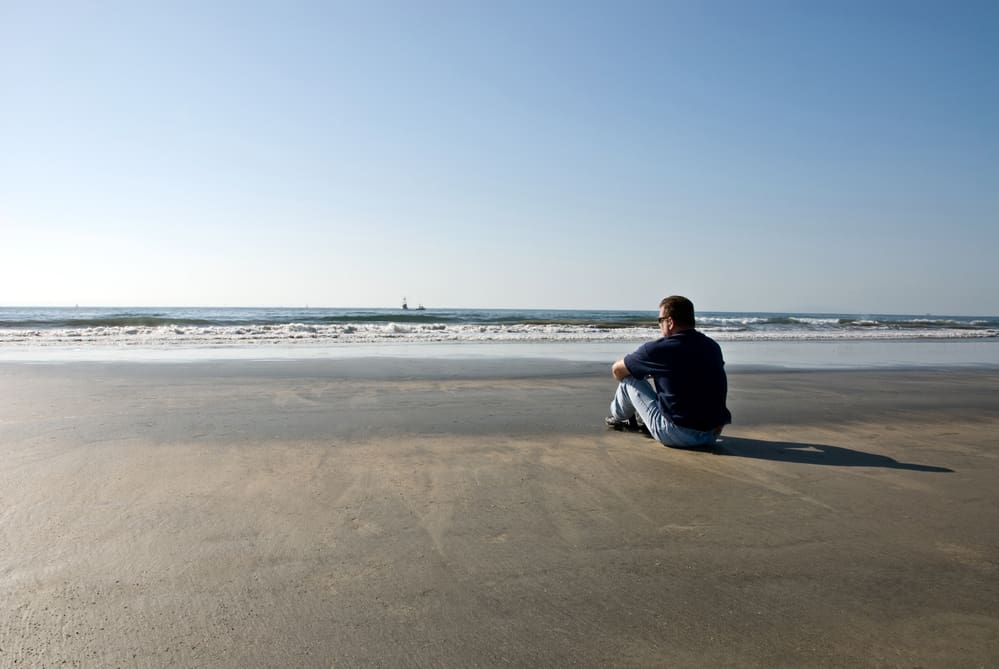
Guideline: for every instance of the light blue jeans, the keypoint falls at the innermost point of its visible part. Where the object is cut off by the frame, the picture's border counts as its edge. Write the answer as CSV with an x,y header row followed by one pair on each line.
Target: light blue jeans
x,y
637,396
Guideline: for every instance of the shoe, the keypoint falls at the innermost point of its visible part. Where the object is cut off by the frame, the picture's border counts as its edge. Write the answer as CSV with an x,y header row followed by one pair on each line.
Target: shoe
x,y
627,424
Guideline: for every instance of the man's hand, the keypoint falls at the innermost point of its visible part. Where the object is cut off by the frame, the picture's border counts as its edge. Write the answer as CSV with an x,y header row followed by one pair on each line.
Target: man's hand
x,y
620,370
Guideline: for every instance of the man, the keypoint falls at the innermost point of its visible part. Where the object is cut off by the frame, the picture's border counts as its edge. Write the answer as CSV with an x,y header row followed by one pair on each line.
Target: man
x,y
687,407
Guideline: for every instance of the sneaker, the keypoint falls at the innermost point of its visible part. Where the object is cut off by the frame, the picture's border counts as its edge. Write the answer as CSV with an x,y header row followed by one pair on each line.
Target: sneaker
x,y
628,424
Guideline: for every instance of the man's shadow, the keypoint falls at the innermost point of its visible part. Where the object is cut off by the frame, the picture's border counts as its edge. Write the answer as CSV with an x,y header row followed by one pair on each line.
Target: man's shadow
x,y
811,454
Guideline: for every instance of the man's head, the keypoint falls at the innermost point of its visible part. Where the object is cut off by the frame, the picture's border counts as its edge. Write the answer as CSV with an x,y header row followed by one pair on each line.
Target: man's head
x,y
676,314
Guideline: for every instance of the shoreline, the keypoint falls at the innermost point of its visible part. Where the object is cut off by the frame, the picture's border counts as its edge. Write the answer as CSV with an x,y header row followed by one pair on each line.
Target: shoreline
x,y
443,512
817,355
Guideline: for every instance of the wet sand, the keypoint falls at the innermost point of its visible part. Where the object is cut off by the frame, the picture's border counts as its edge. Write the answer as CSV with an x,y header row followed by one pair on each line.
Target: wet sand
x,y
477,513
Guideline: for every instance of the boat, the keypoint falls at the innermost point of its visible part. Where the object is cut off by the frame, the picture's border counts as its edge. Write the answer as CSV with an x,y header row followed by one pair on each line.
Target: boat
x,y
405,306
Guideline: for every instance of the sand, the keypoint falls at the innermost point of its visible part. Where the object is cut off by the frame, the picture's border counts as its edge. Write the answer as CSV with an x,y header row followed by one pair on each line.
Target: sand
x,y
477,513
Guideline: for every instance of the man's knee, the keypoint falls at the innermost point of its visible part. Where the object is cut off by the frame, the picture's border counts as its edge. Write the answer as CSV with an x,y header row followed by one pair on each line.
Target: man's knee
x,y
632,382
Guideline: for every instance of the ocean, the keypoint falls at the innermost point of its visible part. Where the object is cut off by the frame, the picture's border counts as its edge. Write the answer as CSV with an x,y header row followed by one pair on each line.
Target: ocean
x,y
168,332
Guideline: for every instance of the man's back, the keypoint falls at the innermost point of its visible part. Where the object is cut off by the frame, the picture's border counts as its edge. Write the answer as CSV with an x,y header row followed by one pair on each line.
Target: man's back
x,y
689,374
687,408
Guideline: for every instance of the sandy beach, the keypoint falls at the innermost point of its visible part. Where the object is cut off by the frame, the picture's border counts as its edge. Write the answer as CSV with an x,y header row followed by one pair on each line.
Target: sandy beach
x,y
460,513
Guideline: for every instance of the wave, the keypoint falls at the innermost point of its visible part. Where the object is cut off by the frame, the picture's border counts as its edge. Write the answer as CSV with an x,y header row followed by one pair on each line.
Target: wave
x,y
107,321
211,327
292,333
617,322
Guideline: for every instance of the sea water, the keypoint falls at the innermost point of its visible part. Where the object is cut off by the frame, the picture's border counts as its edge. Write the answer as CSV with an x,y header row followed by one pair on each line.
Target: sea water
x,y
752,339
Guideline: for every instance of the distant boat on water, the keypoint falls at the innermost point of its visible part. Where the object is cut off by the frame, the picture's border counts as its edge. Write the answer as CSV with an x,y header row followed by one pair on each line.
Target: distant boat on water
x,y
405,306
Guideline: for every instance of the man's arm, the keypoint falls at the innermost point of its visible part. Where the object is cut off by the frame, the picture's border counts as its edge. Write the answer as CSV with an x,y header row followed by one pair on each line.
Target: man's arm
x,y
620,370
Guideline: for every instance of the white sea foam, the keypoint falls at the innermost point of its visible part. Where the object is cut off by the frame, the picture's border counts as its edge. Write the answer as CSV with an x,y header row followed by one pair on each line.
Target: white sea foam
x,y
372,333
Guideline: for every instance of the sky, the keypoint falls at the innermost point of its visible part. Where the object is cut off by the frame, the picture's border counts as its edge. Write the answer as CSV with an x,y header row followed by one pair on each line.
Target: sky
x,y
818,156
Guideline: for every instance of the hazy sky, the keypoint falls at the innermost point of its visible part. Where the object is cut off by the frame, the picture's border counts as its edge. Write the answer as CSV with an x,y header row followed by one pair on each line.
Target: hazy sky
x,y
770,156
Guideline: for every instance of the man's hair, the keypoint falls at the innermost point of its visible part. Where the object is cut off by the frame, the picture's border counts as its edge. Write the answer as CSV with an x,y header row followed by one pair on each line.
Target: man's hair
x,y
680,309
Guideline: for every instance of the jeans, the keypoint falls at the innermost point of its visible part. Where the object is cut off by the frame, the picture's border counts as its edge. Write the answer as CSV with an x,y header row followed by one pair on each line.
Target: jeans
x,y
637,396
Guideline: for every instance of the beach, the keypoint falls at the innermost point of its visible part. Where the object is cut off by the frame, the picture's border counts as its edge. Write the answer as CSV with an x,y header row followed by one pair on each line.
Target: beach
x,y
395,511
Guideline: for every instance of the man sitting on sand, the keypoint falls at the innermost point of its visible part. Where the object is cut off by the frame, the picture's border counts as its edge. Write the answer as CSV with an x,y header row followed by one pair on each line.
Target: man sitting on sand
x,y
686,409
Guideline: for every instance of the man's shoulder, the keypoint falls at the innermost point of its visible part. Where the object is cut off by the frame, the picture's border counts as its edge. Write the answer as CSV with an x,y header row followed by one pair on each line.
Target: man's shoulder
x,y
657,349
654,344
705,338
695,340
647,350
693,334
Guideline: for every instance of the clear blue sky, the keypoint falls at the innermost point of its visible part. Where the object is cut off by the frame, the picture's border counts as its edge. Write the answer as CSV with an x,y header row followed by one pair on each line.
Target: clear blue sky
x,y
826,156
